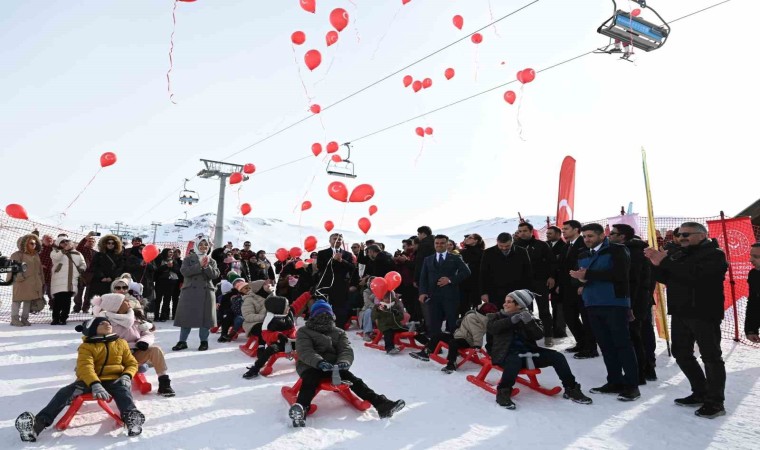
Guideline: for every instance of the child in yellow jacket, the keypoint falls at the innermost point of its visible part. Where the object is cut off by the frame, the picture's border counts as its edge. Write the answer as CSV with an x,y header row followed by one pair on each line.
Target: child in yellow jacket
x,y
105,367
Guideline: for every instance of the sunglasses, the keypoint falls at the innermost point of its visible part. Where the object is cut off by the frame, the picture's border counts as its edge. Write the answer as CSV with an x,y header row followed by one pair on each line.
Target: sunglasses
x,y
120,288
613,233
689,234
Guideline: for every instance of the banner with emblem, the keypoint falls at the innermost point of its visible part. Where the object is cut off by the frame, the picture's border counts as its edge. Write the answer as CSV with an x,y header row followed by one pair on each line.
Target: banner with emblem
x,y
740,240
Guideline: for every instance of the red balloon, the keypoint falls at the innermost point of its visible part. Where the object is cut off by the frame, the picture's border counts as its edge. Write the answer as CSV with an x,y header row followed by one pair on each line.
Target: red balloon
x,y
428,131
339,18
477,38
417,85
332,147
379,287
16,211
329,226
236,178
458,21
298,37
420,131
336,158
295,252
313,59
362,193
393,280
526,75
408,80
309,5
150,252
316,109
310,243
305,205
316,148
281,254
404,2
338,191
636,12
510,97
449,73
245,208
249,168
107,159
299,264
331,37
365,224
427,82
372,210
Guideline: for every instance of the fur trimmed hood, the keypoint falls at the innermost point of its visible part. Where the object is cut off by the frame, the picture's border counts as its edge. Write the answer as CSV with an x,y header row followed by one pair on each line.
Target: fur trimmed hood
x,y
21,242
118,248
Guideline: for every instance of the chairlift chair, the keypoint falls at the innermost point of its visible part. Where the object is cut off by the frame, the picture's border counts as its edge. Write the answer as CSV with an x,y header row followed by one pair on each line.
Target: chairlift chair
x,y
187,196
344,168
638,32
182,223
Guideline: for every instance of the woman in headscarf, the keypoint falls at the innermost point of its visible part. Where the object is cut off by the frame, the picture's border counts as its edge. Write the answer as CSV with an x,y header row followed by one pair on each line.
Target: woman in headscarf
x,y
197,305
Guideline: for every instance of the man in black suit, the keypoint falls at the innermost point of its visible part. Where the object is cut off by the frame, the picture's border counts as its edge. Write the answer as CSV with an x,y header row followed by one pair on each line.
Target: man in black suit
x,y
382,261
440,276
335,267
558,246
572,304
425,248
503,269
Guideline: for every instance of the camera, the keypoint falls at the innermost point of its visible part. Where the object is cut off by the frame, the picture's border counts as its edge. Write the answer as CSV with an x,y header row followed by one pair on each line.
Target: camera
x,y
97,233
12,267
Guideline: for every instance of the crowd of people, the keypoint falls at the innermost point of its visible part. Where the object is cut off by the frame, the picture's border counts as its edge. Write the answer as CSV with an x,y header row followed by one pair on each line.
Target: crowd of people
x,y
505,300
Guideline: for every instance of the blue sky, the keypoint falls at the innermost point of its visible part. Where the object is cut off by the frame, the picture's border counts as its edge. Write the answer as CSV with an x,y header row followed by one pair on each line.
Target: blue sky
x,y
81,78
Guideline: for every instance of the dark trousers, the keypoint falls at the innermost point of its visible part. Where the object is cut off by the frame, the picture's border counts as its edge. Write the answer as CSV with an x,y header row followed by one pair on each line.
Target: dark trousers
x,y
312,377
409,298
62,305
512,364
82,301
454,345
388,338
577,320
225,319
648,338
122,395
558,316
164,292
277,347
468,300
544,311
175,298
610,324
711,383
441,309
634,329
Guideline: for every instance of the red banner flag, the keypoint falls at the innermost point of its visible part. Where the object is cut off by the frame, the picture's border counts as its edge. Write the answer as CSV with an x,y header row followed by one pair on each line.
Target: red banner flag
x,y
740,240
566,197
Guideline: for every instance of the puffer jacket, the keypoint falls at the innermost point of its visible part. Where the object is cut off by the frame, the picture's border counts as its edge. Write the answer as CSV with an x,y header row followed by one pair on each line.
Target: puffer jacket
x,y
502,329
28,285
314,347
473,328
68,267
104,358
253,306
388,318
126,327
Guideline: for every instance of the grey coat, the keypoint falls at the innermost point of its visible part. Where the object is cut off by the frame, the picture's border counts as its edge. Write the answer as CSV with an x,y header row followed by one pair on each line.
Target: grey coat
x,y
314,347
197,305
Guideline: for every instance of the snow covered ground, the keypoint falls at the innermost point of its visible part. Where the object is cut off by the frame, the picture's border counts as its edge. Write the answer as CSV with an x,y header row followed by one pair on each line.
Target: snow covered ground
x,y
216,408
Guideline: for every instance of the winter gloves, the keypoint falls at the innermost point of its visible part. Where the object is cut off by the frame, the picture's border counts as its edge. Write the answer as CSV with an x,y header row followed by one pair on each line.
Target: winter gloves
x,y
343,365
125,381
324,366
99,392
524,316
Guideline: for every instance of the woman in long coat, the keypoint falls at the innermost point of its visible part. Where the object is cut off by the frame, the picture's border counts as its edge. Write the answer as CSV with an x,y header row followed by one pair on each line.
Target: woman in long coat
x,y
197,305
28,285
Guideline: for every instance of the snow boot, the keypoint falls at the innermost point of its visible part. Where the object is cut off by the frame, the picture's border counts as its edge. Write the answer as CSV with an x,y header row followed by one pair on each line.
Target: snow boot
x,y
165,386
692,400
629,394
575,394
450,368
422,355
181,345
504,398
253,372
297,414
134,421
387,408
710,411
203,347
16,322
393,351
608,388
28,427
25,322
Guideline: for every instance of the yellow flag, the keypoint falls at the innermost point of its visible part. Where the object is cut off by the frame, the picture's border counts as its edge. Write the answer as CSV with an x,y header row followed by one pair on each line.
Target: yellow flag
x,y
659,294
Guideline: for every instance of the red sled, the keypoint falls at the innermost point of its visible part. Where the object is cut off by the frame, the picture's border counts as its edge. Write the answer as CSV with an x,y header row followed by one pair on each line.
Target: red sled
x,y
77,403
269,366
531,381
475,355
402,340
291,394
251,346
140,383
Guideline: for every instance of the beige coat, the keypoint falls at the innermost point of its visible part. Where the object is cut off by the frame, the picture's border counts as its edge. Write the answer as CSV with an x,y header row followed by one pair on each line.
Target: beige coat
x,y
28,285
253,307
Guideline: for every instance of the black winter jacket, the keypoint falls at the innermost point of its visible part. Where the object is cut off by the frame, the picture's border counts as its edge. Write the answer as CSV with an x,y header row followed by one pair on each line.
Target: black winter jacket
x,y
752,321
502,332
542,259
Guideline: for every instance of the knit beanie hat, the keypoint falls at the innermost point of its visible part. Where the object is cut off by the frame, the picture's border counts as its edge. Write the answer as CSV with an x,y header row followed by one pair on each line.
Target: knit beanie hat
x,y
225,286
276,304
238,283
488,308
90,327
136,287
320,307
232,276
523,297
107,302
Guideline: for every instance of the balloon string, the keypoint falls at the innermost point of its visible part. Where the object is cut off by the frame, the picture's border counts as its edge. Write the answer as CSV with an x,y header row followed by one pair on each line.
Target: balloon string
x,y
82,191
171,50
422,147
519,106
490,11
386,32
476,62
343,216
300,75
